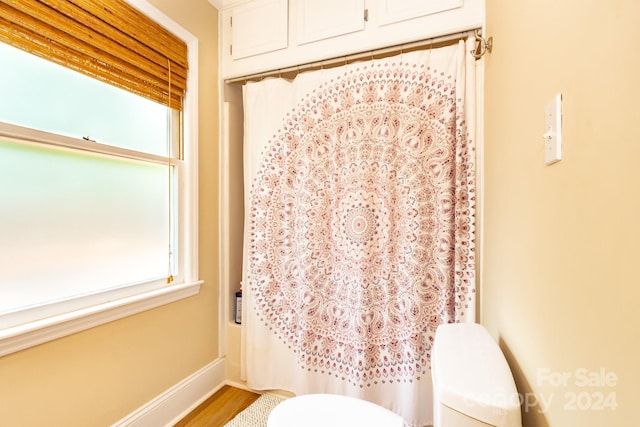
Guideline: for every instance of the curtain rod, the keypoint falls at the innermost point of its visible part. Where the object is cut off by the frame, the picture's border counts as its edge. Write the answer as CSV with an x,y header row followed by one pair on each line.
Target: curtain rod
x,y
483,46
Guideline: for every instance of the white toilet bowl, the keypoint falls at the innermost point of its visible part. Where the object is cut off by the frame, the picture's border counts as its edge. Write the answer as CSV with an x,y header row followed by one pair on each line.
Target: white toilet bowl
x,y
472,382
330,410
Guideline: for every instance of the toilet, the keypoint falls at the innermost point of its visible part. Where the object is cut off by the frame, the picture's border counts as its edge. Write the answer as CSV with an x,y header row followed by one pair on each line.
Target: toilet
x,y
331,410
472,382
472,387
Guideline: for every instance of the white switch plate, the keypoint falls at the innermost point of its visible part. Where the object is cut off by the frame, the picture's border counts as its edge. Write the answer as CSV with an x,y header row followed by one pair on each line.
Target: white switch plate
x,y
553,130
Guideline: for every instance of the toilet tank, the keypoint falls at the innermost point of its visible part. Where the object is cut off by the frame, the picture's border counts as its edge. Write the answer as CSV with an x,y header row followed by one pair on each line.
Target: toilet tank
x,y
472,383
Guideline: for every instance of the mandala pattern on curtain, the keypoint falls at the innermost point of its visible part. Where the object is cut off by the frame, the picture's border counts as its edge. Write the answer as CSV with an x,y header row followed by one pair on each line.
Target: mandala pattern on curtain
x,y
361,236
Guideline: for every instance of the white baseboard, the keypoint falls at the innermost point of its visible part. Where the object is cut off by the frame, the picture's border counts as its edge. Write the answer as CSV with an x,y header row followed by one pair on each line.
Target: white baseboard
x,y
175,403
243,386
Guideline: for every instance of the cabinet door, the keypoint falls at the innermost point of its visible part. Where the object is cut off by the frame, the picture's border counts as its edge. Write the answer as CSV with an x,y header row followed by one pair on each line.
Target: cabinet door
x,y
258,26
322,19
391,11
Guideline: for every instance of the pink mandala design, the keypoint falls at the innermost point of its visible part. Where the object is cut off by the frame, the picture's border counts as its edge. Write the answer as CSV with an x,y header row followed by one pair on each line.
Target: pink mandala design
x,y
353,221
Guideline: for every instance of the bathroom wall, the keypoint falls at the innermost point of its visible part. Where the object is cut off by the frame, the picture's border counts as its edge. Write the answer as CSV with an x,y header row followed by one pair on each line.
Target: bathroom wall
x,y
560,282
96,377
233,205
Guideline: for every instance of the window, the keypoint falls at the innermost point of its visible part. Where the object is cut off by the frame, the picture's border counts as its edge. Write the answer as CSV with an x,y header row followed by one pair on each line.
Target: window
x,y
98,198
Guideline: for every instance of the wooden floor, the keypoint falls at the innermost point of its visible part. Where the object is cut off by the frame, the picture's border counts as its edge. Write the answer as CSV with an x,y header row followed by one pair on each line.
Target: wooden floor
x,y
220,408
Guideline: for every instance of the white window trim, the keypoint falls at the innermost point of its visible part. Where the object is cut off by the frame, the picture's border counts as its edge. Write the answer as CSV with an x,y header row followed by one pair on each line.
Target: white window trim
x,y
38,332
31,334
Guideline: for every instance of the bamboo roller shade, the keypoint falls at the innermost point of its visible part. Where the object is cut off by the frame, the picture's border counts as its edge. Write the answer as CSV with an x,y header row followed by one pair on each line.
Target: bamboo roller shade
x,y
108,40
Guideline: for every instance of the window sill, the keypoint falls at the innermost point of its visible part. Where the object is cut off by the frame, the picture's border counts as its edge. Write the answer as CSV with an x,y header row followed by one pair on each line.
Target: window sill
x,y
31,334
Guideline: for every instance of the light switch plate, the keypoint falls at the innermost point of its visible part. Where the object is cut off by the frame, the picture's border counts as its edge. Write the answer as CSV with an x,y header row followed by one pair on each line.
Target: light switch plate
x,y
553,130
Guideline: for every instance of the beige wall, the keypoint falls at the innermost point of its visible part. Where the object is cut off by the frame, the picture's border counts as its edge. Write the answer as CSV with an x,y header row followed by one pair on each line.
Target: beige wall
x,y
101,375
560,262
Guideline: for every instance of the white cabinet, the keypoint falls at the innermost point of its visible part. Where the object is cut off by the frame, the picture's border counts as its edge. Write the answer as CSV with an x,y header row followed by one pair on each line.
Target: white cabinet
x,y
321,19
268,35
256,27
392,11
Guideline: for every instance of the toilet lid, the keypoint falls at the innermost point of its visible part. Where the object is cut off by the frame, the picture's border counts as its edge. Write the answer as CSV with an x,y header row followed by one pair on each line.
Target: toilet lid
x,y
471,375
322,410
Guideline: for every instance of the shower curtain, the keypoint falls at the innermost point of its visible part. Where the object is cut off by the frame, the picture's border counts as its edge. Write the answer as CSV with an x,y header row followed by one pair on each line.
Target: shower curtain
x,y
359,226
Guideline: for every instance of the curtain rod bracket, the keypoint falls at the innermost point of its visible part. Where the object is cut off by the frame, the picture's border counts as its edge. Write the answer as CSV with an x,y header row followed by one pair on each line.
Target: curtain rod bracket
x,y
482,46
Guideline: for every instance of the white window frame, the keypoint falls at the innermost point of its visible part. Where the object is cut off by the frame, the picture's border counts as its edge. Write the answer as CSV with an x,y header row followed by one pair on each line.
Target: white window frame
x,y
16,338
